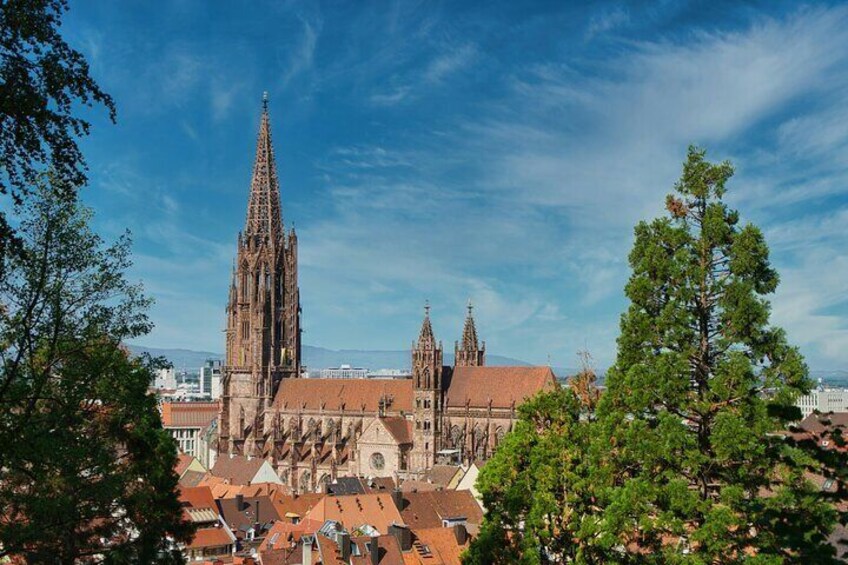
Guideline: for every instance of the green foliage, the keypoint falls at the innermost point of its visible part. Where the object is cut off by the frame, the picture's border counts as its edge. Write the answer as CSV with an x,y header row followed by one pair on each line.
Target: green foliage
x,y
86,469
684,460
42,82
534,487
700,389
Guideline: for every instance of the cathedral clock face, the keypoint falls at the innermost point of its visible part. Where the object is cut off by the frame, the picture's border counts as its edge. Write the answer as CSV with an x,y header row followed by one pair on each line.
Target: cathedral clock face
x,y
378,461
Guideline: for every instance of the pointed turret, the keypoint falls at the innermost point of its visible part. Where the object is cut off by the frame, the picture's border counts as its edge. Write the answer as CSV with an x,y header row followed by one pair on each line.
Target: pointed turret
x,y
469,353
264,218
426,337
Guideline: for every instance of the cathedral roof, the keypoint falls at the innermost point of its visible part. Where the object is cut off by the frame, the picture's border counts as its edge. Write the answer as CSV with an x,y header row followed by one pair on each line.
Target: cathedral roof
x,y
264,217
400,428
352,394
503,386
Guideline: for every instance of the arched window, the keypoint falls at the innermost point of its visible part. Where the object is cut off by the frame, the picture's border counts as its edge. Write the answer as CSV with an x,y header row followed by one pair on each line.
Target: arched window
x,y
305,481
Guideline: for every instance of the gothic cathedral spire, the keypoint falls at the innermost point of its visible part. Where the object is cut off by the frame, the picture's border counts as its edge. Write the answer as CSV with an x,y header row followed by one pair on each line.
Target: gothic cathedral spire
x,y
427,390
263,312
469,354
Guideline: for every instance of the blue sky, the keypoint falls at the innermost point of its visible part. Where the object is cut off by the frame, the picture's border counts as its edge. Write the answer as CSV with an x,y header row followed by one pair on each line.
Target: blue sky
x,y
441,151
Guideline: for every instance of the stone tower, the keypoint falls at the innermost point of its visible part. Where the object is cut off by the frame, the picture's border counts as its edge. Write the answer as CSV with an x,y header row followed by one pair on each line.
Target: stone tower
x,y
470,353
263,311
427,386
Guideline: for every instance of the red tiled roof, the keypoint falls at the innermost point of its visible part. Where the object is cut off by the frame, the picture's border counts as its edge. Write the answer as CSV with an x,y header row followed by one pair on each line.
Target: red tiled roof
x,y
428,509
188,414
400,428
210,537
503,386
441,542
354,510
353,394
183,461
238,469
198,497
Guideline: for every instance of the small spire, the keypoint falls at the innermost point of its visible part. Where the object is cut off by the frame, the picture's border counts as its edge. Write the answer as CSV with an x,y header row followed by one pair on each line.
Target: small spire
x,y
426,335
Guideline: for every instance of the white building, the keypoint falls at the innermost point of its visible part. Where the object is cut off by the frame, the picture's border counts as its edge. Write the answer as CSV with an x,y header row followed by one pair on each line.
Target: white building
x,y
344,372
165,379
210,379
824,400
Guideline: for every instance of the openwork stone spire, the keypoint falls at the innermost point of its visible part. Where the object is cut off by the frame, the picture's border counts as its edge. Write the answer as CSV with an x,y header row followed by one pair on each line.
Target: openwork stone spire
x,y
469,353
264,218
469,333
426,336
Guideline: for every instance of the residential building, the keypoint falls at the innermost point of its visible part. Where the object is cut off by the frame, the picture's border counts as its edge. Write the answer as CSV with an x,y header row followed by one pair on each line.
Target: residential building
x,y
185,420
823,399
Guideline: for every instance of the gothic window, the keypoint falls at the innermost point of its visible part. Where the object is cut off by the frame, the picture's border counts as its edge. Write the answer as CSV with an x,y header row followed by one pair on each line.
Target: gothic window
x,y
305,481
499,435
331,431
295,429
456,437
324,482
378,462
426,403
426,425
479,443
245,330
310,430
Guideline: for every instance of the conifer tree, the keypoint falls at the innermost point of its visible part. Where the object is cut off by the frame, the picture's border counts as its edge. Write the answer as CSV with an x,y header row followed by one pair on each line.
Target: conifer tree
x,y
690,465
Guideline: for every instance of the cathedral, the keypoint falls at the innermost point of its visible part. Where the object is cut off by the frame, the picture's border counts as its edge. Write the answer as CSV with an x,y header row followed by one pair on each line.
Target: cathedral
x,y
314,430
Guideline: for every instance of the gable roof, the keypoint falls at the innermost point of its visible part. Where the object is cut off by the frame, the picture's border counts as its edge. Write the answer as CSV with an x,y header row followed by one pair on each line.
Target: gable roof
x,y
188,414
295,505
354,510
504,386
352,394
238,469
240,519
441,543
400,428
428,509
444,475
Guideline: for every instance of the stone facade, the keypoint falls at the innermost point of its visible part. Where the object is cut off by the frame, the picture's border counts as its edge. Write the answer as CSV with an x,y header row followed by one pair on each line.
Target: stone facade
x,y
312,431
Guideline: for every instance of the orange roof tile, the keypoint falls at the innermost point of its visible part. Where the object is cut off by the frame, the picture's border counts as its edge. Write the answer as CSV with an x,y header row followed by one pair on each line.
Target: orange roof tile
x,y
352,394
354,510
503,386
441,543
400,428
210,537
188,414
428,509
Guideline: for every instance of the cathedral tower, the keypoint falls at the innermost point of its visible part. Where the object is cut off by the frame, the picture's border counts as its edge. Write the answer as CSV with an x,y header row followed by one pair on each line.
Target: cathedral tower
x,y
427,386
470,354
263,311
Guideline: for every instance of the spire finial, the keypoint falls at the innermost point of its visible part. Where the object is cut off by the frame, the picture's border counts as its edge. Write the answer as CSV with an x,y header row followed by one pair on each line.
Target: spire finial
x,y
427,308
265,101
470,307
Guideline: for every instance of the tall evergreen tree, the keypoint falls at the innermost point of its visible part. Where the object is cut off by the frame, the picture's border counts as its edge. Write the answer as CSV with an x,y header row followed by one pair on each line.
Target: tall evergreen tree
x,y
86,470
535,486
690,466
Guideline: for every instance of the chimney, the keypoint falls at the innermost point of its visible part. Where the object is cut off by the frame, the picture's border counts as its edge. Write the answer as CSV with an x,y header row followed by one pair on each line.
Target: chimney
x,y
257,514
306,557
239,502
375,551
343,539
460,533
403,535
397,498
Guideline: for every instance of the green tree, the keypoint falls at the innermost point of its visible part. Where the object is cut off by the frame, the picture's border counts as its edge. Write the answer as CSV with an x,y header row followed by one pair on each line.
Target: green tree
x,y
42,80
688,460
534,487
86,470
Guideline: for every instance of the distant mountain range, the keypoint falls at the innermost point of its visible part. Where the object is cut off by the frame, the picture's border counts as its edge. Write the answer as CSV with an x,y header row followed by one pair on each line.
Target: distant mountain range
x,y
314,357
323,358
